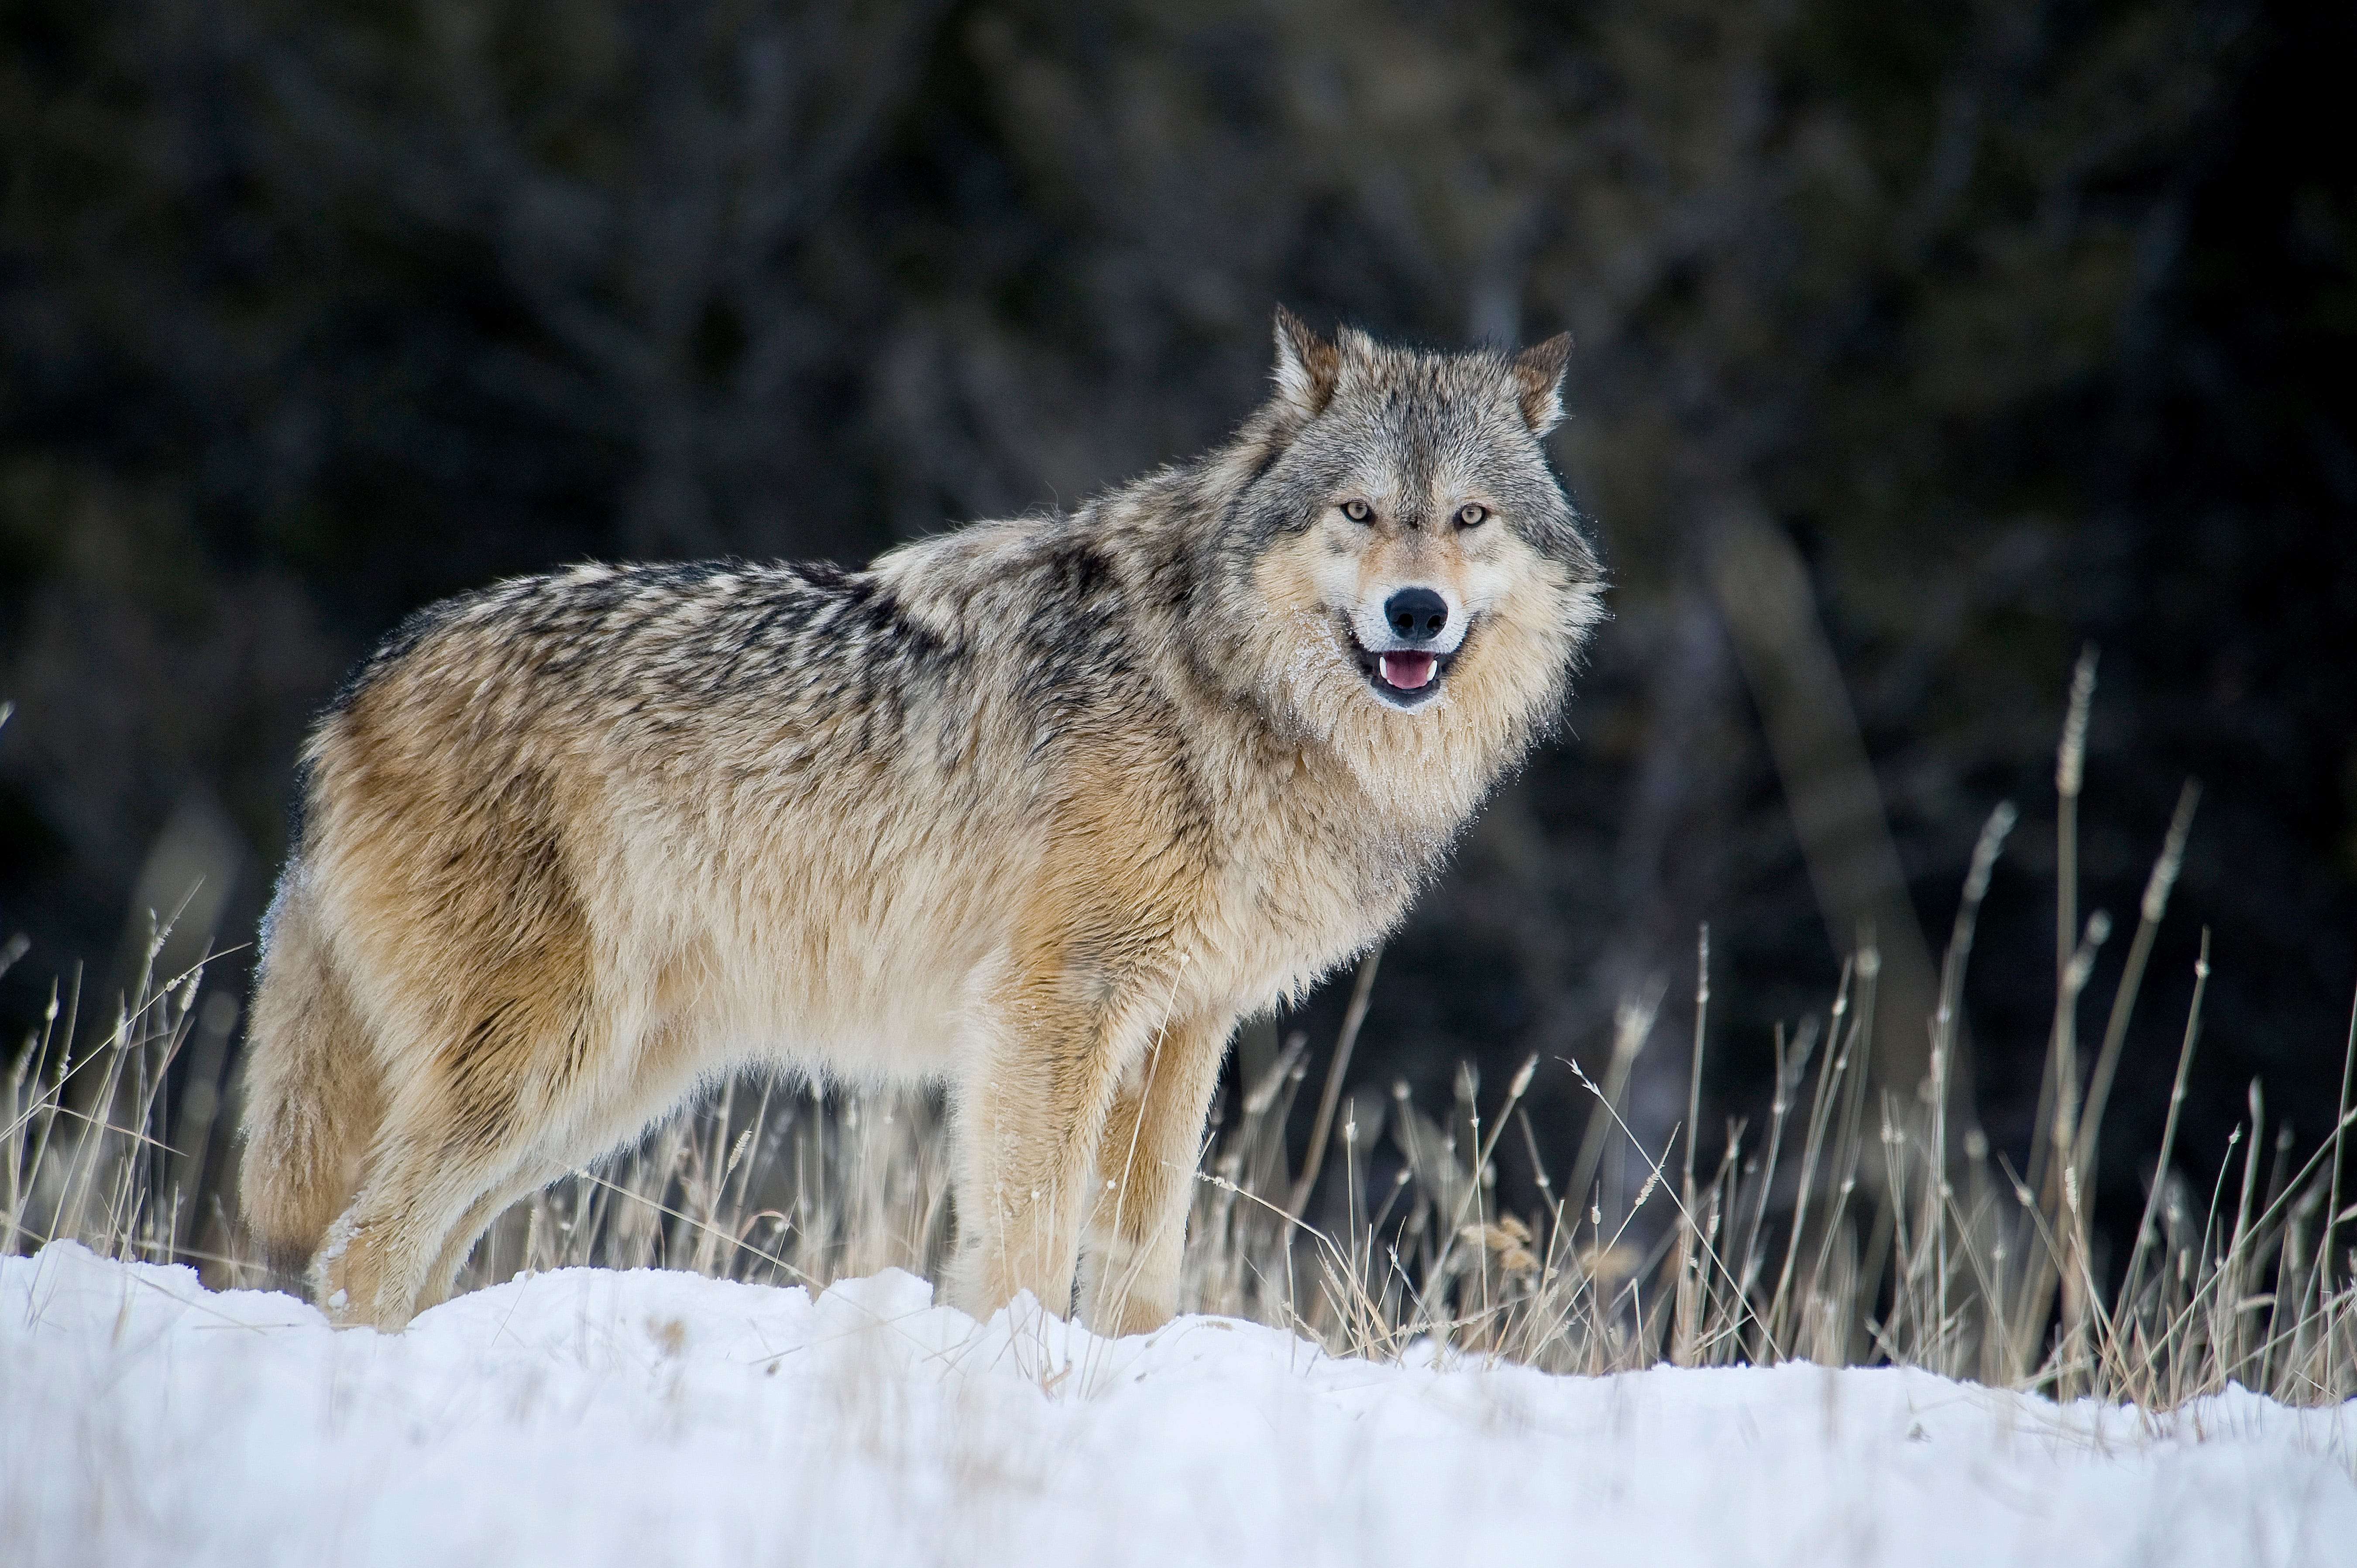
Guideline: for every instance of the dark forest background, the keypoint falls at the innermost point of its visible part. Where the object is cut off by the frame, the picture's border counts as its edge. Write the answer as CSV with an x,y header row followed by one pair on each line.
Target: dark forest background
x,y
1917,346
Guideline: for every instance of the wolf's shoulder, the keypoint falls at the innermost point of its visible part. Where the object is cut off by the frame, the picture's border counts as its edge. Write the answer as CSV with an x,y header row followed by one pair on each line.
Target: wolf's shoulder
x,y
1052,572
981,553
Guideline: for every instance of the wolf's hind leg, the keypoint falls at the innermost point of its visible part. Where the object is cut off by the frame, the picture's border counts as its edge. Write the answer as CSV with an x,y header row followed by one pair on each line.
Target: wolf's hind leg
x,y
661,1074
373,1268
574,1129
442,1276
1146,1172
462,1140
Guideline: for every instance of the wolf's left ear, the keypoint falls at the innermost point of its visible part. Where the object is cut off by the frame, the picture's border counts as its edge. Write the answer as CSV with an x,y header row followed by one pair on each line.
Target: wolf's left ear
x,y
1306,365
1538,381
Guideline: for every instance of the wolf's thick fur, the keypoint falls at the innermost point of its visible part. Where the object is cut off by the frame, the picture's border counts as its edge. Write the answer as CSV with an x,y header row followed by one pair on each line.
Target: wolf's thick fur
x,y
1038,808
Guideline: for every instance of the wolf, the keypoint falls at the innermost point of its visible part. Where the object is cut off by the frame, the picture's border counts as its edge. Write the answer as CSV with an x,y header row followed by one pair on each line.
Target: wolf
x,y
1036,808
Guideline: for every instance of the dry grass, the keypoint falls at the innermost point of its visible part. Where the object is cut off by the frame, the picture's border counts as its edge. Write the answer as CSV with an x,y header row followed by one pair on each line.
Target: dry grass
x,y
1861,1228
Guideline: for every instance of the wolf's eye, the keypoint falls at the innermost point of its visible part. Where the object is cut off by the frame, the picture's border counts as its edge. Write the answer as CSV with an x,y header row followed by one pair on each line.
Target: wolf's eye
x,y
1357,510
1471,513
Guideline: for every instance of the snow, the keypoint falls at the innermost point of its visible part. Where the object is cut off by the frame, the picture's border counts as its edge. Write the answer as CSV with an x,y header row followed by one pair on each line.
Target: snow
x,y
588,1417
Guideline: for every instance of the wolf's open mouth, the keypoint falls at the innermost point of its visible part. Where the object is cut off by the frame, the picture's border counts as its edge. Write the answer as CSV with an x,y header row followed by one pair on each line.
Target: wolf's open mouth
x,y
1402,677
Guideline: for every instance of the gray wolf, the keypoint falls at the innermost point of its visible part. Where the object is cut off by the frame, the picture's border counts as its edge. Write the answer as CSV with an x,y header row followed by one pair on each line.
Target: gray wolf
x,y
1038,809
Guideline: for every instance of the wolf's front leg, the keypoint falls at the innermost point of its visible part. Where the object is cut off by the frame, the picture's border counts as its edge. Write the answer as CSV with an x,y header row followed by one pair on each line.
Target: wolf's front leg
x,y
1145,1179
1030,1113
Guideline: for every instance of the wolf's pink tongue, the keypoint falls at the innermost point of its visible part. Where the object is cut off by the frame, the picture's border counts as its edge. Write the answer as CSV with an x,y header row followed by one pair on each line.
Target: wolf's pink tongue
x,y
1406,671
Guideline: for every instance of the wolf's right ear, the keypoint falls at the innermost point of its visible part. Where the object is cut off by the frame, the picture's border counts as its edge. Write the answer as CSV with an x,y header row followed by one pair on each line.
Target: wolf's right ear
x,y
1538,381
1306,365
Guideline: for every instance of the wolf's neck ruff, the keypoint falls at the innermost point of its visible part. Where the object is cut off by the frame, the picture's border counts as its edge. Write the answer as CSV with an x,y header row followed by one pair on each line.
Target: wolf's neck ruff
x,y
1013,807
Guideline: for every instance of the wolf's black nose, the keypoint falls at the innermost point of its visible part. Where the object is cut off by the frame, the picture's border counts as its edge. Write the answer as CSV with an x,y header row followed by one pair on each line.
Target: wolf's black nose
x,y
1417,614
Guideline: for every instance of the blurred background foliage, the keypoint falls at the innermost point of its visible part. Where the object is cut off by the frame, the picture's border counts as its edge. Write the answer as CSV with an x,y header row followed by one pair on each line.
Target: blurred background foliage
x,y
1917,346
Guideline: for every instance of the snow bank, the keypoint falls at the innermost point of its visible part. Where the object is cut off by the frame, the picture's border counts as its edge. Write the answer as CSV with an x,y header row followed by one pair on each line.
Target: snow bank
x,y
587,1417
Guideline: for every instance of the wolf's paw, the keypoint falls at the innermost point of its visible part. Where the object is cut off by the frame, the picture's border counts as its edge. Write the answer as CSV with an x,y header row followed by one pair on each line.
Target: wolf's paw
x,y
347,1280
1129,1314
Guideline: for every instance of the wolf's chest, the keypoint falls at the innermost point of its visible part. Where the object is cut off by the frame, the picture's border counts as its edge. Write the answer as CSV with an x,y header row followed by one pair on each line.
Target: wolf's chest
x,y
1294,896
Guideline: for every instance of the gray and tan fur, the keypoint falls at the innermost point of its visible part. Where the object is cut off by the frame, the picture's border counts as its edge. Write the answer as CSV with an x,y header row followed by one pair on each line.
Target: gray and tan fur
x,y
1037,807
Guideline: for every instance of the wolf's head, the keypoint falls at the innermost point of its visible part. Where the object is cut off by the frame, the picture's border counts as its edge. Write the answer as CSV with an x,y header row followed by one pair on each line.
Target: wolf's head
x,y
1397,570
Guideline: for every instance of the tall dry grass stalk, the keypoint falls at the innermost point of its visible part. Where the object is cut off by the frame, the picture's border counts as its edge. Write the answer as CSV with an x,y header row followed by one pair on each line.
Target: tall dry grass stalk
x,y
1859,1228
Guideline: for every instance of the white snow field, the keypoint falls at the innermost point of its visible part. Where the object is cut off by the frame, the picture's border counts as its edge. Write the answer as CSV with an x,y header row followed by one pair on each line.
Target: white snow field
x,y
590,1417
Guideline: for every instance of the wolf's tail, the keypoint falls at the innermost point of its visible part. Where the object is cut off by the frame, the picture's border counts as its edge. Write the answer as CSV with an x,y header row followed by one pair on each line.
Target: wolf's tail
x,y
313,1098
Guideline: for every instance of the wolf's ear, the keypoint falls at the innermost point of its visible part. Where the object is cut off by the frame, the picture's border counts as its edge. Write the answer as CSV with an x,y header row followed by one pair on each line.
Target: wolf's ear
x,y
1538,381
1306,365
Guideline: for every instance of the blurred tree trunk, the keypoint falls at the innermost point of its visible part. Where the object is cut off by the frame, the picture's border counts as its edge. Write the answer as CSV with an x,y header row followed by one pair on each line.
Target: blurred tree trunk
x,y
1669,869
1763,587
